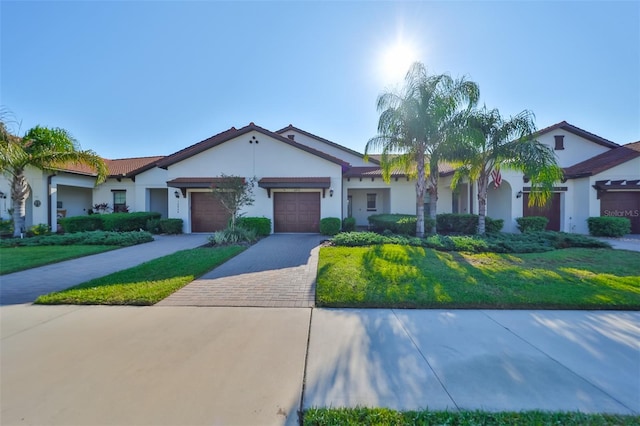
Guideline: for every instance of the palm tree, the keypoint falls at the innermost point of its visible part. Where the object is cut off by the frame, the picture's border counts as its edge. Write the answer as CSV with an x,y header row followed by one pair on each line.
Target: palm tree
x,y
415,125
46,149
489,142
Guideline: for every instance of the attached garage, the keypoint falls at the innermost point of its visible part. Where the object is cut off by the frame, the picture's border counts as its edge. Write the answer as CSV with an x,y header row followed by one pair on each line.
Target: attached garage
x,y
296,211
622,204
207,214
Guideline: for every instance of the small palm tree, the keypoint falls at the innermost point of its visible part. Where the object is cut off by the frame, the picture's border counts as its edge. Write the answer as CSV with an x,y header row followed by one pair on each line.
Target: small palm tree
x,y
415,126
489,142
46,149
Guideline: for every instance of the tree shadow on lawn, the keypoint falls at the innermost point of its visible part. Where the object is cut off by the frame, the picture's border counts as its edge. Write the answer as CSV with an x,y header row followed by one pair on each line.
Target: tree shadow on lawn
x,y
412,277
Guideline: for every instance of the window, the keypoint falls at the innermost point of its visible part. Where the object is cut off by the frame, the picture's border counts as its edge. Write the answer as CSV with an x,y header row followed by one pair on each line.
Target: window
x,y
371,202
559,139
119,201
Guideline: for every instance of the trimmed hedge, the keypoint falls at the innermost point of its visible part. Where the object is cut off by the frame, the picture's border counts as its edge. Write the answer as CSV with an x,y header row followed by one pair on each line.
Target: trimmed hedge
x,y
330,225
532,223
404,224
171,226
349,224
609,226
532,242
261,225
122,239
456,223
81,223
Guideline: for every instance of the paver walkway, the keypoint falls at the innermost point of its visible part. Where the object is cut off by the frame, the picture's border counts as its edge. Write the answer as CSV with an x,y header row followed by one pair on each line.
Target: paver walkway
x,y
278,271
26,286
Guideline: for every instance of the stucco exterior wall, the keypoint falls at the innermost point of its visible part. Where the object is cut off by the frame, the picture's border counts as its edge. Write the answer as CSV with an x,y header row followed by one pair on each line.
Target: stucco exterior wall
x,y
268,158
576,149
354,160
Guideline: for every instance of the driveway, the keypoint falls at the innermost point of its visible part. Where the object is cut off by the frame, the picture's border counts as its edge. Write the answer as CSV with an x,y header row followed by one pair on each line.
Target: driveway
x,y
278,271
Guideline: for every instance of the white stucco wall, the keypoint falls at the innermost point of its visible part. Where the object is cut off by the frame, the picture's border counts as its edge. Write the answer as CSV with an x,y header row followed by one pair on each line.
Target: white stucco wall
x,y
104,193
576,149
268,158
354,160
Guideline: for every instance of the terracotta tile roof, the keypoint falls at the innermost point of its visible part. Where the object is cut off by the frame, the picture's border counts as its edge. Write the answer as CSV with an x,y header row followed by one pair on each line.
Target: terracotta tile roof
x,y
604,161
579,132
444,169
291,127
234,133
195,182
125,167
295,182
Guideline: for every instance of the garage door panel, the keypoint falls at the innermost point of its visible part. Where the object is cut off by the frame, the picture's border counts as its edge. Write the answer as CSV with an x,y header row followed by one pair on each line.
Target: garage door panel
x,y
207,214
622,204
296,211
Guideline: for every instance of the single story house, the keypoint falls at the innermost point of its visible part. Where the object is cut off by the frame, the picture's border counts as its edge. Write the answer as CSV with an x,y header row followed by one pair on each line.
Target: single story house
x,y
301,178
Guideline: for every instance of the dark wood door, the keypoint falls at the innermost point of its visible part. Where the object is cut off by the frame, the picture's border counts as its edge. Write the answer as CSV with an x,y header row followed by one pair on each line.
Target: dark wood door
x,y
551,210
296,211
622,204
207,214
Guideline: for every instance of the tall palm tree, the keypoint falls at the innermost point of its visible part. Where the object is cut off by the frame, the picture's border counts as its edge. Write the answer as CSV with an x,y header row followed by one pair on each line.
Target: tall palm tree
x,y
490,142
416,122
46,149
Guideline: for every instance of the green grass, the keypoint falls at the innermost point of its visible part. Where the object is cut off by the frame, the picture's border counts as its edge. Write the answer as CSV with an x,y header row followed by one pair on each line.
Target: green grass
x,y
145,284
415,277
384,416
13,259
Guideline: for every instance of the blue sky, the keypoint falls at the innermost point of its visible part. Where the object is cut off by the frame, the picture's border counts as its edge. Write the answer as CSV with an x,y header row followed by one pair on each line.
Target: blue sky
x,y
148,78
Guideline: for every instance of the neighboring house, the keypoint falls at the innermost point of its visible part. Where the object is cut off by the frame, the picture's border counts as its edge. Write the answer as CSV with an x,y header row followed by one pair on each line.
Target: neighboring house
x,y
301,178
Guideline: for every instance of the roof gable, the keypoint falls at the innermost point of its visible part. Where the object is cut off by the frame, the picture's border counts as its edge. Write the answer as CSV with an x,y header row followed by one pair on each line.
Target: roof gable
x,y
604,161
578,132
233,133
125,167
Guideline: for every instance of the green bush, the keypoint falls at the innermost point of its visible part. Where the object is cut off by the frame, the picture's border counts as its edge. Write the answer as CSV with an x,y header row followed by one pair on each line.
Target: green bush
x,y
233,236
6,227
532,223
493,226
261,225
455,223
81,223
124,222
330,225
153,226
171,226
349,224
40,229
122,239
609,226
404,224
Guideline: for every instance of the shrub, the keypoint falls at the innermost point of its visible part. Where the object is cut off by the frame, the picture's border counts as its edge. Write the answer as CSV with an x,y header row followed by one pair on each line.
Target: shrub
x,y
233,236
6,227
349,224
609,226
171,226
153,226
40,229
123,222
330,225
454,223
261,225
81,223
121,239
532,223
493,226
404,224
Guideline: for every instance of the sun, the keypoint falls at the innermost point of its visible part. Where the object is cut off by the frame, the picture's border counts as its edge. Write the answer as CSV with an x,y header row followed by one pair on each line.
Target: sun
x,y
396,60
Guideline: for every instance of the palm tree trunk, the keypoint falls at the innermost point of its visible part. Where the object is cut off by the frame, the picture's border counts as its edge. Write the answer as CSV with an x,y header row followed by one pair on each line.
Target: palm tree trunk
x,y
420,190
483,183
433,196
19,193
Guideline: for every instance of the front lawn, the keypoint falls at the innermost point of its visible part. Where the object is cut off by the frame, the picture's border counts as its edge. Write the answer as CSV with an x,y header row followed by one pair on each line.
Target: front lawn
x,y
15,259
145,284
398,276
385,416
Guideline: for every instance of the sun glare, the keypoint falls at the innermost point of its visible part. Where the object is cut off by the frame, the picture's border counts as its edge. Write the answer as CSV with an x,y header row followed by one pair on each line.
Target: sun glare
x,y
396,60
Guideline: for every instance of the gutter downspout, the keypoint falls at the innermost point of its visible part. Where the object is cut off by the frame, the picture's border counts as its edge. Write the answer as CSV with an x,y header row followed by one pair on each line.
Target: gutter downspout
x,y
49,207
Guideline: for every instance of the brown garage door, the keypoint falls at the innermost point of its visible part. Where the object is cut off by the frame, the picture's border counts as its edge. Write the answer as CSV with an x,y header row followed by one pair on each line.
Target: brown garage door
x,y
551,210
622,204
207,215
296,211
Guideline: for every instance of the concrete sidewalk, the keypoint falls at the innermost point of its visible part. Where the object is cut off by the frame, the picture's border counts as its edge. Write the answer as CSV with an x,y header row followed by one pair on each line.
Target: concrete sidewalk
x,y
488,360
26,286
100,365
